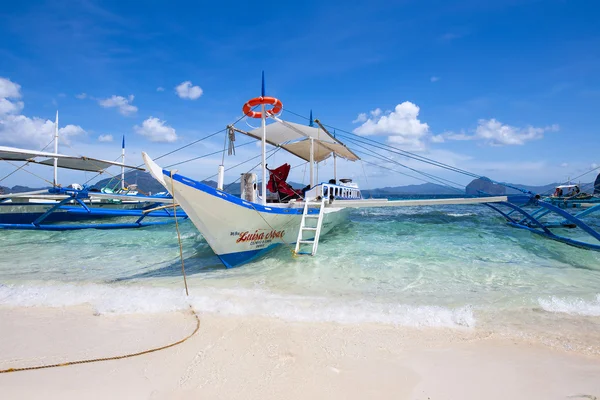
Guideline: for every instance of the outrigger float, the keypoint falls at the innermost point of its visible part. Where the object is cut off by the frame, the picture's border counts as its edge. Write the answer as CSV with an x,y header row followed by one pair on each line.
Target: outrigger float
x,y
64,209
240,229
568,215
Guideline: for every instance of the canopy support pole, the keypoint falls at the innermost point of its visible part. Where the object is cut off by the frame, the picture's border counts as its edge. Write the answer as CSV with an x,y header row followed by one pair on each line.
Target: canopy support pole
x,y
312,162
335,168
56,150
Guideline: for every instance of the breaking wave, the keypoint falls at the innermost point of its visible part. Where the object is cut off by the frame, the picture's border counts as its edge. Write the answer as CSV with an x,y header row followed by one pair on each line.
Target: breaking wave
x,y
573,306
130,299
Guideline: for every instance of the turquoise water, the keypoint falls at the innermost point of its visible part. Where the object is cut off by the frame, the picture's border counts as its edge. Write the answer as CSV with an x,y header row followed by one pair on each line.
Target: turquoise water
x,y
452,266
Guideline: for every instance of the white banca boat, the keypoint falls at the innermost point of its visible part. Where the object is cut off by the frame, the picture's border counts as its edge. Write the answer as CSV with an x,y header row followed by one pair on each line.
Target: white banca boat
x,y
239,229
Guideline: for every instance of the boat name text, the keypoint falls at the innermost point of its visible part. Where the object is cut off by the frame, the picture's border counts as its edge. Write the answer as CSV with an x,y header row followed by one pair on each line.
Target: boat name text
x,y
256,235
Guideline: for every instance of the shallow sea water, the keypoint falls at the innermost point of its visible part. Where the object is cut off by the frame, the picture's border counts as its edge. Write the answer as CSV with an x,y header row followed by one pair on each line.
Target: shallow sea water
x,y
452,266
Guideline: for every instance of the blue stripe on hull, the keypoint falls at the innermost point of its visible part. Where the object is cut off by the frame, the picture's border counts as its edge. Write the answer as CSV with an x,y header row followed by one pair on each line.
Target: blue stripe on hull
x,y
236,200
232,260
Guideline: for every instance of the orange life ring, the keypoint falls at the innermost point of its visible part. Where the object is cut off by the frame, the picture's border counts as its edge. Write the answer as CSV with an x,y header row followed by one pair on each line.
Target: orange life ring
x,y
276,103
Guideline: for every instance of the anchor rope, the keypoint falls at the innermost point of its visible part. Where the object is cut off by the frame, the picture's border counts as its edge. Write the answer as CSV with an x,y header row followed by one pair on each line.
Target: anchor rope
x,y
139,353
178,235
289,245
121,357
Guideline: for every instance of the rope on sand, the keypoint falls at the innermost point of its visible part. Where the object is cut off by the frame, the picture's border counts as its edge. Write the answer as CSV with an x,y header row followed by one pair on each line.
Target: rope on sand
x,y
93,360
121,357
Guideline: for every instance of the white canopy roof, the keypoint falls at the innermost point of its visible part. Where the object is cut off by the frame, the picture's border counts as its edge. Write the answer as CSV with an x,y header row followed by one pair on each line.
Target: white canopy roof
x,y
295,138
567,186
13,153
71,162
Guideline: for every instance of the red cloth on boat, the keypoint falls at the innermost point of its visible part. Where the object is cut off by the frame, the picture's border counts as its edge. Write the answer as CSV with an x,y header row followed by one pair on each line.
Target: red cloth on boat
x,y
277,183
278,175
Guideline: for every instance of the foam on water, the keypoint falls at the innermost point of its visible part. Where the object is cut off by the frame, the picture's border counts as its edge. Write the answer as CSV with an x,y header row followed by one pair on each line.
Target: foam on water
x,y
460,214
449,266
570,305
106,299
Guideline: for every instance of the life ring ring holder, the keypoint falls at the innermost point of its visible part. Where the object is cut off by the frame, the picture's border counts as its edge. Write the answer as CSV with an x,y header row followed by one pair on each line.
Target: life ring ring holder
x,y
276,109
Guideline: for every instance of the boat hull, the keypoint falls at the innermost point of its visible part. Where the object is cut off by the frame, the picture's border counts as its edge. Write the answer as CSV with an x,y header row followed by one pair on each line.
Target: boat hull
x,y
24,213
239,231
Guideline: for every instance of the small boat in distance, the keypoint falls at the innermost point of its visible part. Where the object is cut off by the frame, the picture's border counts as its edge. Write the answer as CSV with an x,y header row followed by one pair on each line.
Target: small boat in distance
x,y
571,196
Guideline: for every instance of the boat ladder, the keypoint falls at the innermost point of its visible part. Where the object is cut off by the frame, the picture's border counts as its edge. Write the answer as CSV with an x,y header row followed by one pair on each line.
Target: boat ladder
x,y
309,228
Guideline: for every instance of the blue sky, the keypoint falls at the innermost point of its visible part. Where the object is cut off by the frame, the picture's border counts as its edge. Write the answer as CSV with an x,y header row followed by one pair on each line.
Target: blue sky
x,y
508,89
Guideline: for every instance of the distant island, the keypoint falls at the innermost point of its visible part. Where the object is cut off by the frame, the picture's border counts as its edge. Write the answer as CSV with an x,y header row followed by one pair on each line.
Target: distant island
x,y
147,184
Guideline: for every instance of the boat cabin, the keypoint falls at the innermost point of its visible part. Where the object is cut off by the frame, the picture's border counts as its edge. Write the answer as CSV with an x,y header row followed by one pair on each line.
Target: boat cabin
x,y
566,191
313,144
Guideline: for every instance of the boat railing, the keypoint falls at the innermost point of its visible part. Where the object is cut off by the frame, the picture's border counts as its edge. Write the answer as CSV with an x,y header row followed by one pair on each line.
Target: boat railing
x,y
333,192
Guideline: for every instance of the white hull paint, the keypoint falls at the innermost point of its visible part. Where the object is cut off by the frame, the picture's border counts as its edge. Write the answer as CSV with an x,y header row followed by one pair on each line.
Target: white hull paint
x,y
237,230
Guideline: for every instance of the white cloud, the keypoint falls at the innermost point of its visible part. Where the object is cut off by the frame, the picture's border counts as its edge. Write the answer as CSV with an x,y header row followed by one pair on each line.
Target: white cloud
x,y
462,135
402,126
70,130
105,138
19,130
438,139
186,91
81,96
10,90
10,107
362,117
123,104
156,130
160,89
434,79
564,165
594,166
494,133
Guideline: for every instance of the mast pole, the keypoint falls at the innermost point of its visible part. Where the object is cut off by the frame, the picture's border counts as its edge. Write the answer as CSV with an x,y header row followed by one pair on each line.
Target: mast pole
x,y
312,154
334,164
56,150
123,166
264,145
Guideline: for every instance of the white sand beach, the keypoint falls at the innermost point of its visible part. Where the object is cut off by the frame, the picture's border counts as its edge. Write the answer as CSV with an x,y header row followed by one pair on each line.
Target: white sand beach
x,y
266,358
